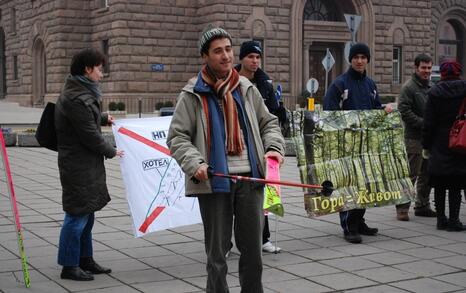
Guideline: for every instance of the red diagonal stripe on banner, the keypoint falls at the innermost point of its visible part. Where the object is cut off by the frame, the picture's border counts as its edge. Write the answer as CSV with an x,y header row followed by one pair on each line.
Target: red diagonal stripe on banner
x,y
151,218
144,140
161,149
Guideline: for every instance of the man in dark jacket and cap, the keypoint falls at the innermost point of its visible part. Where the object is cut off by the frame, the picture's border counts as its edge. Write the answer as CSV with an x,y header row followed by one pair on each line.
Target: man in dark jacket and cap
x,y
354,90
250,55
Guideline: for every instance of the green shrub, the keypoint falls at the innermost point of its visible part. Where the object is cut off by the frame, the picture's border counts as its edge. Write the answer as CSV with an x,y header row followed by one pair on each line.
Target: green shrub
x,y
168,104
121,106
112,106
158,105
387,99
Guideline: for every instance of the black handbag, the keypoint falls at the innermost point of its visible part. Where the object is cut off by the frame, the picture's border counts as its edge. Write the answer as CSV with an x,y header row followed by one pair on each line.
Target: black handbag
x,y
46,134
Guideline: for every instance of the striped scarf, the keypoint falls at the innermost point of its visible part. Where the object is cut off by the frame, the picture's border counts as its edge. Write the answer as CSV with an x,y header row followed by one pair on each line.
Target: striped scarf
x,y
224,88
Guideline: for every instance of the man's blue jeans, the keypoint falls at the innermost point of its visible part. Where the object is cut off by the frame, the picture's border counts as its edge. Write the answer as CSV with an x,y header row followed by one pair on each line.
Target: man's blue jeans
x,y
75,239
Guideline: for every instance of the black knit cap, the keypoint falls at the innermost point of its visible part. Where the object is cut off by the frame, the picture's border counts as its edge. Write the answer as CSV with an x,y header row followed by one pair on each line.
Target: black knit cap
x,y
249,47
360,48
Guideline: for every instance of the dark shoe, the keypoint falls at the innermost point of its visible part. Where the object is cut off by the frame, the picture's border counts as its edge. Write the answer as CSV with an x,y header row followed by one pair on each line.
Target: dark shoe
x,y
425,212
89,265
353,237
365,230
402,216
75,273
455,226
442,223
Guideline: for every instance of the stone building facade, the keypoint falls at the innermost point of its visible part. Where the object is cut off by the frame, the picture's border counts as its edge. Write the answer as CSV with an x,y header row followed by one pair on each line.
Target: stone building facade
x,y
152,44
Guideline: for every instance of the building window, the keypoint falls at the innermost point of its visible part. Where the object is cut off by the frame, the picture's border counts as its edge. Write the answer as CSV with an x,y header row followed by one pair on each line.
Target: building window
x,y
451,42
322,11
13,20
105,50
396,65
15,67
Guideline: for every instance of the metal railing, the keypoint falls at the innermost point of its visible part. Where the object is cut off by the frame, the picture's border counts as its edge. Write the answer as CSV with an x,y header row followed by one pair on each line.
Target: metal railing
x,y
136,105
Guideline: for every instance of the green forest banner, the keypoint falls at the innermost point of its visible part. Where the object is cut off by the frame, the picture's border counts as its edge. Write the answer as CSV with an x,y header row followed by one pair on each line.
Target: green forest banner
x,y
361,152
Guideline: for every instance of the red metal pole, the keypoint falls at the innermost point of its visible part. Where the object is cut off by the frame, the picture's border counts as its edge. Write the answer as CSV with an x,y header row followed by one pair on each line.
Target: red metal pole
x,y
268,181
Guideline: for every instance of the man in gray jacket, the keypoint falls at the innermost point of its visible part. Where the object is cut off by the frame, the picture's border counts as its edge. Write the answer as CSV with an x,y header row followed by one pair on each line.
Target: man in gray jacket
x,y
411,104
221,125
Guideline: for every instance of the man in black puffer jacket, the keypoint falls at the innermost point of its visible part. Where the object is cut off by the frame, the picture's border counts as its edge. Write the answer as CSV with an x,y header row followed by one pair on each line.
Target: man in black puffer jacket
x,y
250,56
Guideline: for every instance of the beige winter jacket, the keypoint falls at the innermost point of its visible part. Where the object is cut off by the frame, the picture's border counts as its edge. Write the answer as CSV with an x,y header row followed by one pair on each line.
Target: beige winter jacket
x,y
187,133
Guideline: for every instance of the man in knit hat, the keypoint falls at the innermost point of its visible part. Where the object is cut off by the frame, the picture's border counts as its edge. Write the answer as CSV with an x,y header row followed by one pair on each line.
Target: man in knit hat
x,y
221,125
354,90
411,104
250,56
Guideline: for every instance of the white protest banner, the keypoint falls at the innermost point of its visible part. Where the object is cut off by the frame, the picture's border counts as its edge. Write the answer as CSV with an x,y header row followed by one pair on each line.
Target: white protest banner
x,y
154,182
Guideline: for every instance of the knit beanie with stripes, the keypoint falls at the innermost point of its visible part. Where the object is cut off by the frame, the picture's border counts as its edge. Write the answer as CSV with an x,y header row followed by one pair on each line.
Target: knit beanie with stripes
x,y
209,34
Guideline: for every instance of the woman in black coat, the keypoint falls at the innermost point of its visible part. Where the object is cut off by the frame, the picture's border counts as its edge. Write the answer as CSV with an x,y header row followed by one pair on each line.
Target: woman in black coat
x,y
447,168
81,152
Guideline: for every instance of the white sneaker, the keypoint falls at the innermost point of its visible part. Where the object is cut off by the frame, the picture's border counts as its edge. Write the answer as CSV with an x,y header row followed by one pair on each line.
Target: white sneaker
x,y
269,247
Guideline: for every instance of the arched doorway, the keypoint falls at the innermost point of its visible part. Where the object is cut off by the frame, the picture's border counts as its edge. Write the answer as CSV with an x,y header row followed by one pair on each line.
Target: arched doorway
x,y
39,73
2,64
320,24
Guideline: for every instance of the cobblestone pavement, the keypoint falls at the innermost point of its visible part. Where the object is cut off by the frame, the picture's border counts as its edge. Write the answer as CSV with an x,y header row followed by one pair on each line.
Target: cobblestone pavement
x,y
405,257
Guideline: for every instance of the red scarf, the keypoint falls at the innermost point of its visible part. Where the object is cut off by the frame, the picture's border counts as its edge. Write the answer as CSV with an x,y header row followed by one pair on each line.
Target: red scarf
x,y
223,89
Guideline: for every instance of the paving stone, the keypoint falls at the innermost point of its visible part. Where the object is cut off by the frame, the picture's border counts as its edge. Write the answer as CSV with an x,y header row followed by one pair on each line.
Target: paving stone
x,y
144,252
350,264
394,245
282,258
459,248
185,271
232,281
358,249
426,268
167,260
385,275
425,285
327,241
296,286
172,286
275,275
321,253
427,252
390,258
457,261
36,287
127,243
124,265
309,269
142,276
377,289
303,233
430,240
458,279
119,289
342,281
